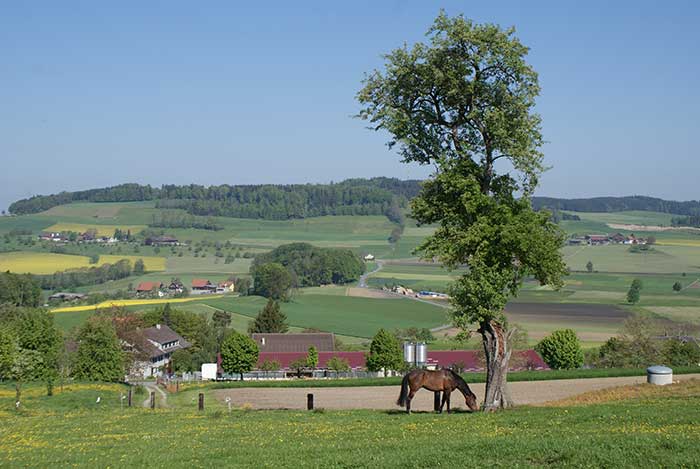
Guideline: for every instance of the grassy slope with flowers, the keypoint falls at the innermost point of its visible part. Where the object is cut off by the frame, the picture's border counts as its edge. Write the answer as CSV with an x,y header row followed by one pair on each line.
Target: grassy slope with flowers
x,y
636,426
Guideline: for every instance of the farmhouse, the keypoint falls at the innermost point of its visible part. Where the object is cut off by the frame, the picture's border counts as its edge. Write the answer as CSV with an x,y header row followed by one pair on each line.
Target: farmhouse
x,y
176,286
200,285
596,240
145,288
52,236
369,257
225,287
285,343
161,342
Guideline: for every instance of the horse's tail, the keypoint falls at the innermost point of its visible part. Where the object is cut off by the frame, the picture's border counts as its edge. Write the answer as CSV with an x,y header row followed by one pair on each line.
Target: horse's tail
x,y
404,392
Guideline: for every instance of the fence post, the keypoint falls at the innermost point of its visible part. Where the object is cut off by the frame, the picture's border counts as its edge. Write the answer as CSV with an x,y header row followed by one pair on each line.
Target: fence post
x,y
153,400
310,401
436,401
201,401
130,397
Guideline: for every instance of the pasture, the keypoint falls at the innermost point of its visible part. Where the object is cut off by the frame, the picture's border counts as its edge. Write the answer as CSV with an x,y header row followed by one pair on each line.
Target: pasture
x,y
637,426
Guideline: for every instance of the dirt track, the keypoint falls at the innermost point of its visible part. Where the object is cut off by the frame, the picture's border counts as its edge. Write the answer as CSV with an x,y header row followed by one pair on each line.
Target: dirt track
x,y
384,397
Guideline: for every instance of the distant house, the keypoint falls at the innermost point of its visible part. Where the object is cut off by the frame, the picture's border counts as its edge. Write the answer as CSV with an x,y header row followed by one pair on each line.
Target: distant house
x,y
323,341
64,296
596,240
161,342
163,241
52,236
176,287
618,238
369,257
201,285
225,287
145,288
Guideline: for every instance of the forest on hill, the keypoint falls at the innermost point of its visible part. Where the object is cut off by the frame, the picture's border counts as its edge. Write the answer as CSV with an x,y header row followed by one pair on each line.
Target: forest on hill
x,y
618,204
376,196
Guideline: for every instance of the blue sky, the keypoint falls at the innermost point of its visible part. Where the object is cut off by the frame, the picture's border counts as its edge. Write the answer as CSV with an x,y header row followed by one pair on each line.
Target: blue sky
x,y
220,92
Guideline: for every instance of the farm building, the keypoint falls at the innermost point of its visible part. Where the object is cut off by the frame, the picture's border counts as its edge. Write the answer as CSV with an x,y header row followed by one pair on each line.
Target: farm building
x,y
225,287
163,241
161,342
176,286
52,236
145,288
369,257
201,285
287,343
460,360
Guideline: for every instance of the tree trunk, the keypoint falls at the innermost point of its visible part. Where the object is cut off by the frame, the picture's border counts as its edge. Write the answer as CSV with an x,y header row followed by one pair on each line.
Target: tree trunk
x,y
497,348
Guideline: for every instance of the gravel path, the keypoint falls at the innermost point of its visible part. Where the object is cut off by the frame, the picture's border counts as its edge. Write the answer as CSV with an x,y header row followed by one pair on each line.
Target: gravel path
x,y
384,397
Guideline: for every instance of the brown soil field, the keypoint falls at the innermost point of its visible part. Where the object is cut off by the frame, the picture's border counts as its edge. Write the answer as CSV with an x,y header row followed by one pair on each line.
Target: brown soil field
x,y
384,397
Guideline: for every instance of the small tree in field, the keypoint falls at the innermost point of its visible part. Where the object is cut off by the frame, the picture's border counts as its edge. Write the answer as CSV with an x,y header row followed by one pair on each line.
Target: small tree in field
x,y
633,292
589,266
338,364
561,350
463,102
384,352
299,365
677,287
239,354
270,319
312,358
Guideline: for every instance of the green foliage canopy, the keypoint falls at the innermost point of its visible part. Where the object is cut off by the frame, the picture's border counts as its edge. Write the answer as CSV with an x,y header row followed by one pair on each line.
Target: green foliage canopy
x,y
561,350
239,353
385,352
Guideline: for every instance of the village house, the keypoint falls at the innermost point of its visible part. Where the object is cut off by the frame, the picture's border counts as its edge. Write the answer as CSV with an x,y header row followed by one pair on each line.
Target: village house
x,y
161,342
597,240
202,286
369,257
147,288
52,236
226,286
176,286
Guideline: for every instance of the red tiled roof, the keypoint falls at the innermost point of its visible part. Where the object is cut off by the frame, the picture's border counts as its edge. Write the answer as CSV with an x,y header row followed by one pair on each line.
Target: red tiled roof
x,y
227,283
468,360
148,286
200,282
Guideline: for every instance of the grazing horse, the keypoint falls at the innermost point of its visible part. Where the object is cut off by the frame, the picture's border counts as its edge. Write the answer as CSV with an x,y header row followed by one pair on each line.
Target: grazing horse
x,y
439,380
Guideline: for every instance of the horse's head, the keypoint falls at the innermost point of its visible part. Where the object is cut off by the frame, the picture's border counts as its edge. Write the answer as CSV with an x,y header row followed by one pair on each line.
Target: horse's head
x,y
470,400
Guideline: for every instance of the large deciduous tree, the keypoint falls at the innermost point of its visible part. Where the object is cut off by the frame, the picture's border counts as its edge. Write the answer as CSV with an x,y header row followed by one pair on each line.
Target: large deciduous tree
x,y
463,102
239,354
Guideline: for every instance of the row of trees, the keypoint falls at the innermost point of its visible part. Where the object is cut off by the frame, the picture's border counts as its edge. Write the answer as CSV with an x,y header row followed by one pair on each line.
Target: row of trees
x,y
374,196
72,278
618,204
177,219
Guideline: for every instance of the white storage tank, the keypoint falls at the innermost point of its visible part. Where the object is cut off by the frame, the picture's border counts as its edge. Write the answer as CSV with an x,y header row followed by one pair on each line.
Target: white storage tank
x,y
660,375
421,354
409,352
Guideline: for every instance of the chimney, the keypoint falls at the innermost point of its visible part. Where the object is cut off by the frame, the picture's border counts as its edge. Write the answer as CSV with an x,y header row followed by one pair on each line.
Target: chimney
x,y
262,340
157,326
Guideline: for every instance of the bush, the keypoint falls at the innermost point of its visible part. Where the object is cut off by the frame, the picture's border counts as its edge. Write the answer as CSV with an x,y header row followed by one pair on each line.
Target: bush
x,y
561,350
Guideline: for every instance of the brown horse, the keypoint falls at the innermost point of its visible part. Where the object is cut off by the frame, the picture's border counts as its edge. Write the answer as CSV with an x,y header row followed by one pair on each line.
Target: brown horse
x,y
439,380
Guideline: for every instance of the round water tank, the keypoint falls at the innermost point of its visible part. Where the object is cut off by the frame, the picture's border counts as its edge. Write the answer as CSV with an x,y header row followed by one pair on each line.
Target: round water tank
x,y
409,352
660,375
421,354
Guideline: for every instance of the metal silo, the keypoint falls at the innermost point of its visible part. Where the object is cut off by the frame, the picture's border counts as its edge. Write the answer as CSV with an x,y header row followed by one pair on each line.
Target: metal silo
x,y
409,352
421,354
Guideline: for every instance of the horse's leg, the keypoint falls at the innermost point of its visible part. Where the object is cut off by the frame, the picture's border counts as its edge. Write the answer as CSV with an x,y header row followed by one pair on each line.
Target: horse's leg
x,y
444,399
408,401
447,395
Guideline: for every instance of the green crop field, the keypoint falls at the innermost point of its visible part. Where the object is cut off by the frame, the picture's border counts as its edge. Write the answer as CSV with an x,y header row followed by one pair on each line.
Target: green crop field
x,y
639,426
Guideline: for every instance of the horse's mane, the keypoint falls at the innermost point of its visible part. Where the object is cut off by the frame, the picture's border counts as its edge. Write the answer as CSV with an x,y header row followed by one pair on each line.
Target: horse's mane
x,y
461,384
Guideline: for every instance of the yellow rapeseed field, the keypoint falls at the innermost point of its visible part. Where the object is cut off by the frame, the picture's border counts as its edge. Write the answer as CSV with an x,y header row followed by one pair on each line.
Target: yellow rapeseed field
x,y
110,303
23,262
42,263
102,230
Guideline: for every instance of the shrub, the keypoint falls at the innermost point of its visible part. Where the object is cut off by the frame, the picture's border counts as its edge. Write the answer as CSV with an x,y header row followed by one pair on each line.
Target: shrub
x,y
561,350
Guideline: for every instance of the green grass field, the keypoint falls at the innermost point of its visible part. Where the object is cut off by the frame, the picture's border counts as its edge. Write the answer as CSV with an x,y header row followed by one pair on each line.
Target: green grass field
x,y
631,427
